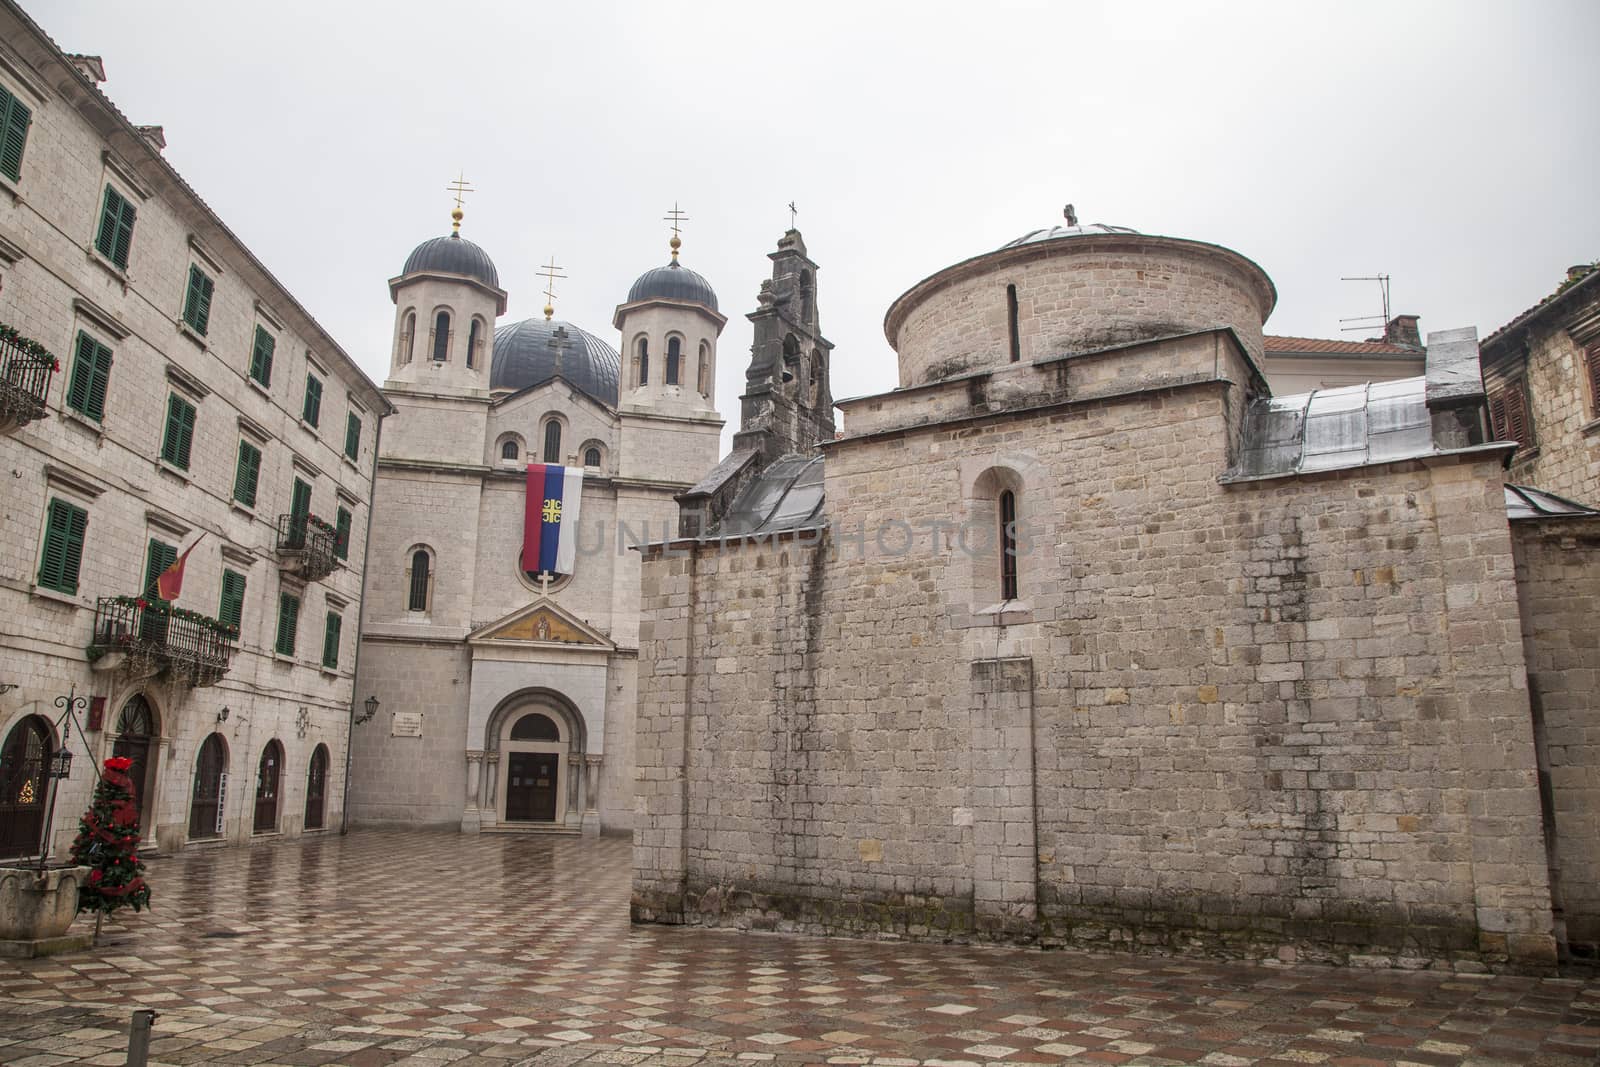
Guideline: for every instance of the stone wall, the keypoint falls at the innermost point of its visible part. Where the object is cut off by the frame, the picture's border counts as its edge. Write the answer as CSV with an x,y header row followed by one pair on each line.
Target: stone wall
x,y
1286,717
1565,417
1558,580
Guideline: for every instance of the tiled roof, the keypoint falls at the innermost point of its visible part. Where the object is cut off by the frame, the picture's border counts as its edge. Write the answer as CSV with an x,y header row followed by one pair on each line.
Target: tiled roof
x,y
1338,348
1586,283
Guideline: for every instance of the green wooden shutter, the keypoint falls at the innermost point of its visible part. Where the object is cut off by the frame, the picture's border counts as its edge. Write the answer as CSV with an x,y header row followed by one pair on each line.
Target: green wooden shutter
x,y
312,410
231,611
105,242
178,440
341,547
124,234
99,382
261,356
158,557
62,552
91,374
300,499
14,120
352,436
288,621
330,641
247,474
197,300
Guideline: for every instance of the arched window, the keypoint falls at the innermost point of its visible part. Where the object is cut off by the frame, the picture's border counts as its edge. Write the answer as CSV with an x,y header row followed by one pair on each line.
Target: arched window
x,y
644,361
535,727
408,337
420,579
210,775
591,457
1008,545
24,764
269,774
703,378
317,789
1011,323
441,337
674,357
508,450
135,729
472,343
552,441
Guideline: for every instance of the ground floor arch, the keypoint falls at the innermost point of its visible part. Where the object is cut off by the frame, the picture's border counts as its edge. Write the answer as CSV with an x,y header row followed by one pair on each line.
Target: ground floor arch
x,y
534,770
25,753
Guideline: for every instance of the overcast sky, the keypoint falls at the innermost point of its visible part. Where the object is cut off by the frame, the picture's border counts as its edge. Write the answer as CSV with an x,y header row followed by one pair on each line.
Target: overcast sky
x,y
1452,145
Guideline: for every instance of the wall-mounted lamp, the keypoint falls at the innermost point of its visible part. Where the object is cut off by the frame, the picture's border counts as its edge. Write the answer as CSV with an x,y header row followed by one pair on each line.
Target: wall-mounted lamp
x,y
372,709
222,716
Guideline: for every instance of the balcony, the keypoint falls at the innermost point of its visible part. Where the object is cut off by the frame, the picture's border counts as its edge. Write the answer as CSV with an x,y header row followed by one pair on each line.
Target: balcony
x,y
25,370
307,546
149,637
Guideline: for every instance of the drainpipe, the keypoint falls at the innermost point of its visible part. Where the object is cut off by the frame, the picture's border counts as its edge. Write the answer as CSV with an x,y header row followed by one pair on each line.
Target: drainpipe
x,y
361,618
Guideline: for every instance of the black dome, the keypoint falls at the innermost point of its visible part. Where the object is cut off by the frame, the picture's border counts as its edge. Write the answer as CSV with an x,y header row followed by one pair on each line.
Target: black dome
x,y
523,357
673,282
453,255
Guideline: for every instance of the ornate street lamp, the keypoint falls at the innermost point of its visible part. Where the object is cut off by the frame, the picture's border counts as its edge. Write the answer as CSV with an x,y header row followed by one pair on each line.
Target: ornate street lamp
x,y
372,709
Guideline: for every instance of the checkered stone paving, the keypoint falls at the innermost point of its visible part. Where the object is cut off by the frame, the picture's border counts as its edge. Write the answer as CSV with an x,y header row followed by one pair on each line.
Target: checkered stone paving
x,y
414,948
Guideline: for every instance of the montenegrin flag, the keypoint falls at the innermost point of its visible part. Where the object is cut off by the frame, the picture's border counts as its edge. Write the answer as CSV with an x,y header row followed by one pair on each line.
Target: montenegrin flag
x,y
550,530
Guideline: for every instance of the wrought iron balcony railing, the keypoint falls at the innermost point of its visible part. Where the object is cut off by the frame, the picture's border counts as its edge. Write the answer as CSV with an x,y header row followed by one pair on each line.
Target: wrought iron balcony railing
x,y
153,636
307,546
25,371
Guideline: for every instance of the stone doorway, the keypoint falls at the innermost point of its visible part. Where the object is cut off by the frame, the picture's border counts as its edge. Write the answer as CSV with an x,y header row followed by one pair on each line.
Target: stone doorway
x,y
135,733
535,748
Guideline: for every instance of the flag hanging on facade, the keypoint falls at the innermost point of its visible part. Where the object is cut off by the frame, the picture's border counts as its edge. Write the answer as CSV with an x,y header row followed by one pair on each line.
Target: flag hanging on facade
x,y
170,582
550,523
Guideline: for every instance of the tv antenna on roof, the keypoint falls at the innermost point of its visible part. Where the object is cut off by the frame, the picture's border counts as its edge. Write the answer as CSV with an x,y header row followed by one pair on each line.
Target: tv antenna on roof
x,y
1364,322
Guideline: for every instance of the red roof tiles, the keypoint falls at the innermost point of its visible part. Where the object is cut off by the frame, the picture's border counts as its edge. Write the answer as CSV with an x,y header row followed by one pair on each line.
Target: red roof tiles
x,y
1338,348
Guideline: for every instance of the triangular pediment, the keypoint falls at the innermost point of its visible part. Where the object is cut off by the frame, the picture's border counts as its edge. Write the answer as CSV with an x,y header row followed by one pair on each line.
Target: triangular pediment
x,y
541,623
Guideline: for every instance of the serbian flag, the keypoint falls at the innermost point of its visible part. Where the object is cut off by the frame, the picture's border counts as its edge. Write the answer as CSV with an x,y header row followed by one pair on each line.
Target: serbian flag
x,y
170,582
550,524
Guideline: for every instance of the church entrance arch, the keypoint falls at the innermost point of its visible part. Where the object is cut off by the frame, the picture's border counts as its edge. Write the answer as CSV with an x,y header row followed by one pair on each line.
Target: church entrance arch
x,y
539,741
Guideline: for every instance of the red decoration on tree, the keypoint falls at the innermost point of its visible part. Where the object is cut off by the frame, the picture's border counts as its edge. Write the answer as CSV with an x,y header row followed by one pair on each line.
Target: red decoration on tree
x,y
108,841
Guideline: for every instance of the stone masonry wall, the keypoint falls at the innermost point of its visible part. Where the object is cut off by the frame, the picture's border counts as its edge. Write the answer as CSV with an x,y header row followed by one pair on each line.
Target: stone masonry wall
x,y
1566,419
1558,579
1274,718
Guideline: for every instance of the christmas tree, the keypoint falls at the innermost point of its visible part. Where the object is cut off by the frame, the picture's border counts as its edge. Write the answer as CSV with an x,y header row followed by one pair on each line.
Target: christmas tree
x,y
108,841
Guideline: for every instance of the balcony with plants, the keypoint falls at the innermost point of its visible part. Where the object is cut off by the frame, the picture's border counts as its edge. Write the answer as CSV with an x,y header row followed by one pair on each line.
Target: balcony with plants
x,y
26,368
148,636
308,546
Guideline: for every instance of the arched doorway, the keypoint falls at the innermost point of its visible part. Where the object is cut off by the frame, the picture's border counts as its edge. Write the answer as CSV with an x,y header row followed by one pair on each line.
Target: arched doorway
x,y
317,789
24,785
269,775
210,787
134,732
534,749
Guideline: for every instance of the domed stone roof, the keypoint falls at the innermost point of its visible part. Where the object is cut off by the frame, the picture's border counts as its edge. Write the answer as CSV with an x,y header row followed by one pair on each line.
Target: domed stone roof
x,y
673,282
523,357
1057,232
453,255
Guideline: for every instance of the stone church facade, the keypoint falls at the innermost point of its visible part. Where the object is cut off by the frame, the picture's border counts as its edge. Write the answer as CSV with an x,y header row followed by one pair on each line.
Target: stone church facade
x,y
506,699
1082,636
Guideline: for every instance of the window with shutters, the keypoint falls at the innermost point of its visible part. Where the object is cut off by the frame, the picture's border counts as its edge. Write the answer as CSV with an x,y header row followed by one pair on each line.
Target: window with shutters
x,y
330,641
115,236
14,120
158,557
421,579
300,499
261,356
1591,366
1508,413
341,540
91,374
197,300
230,612
311,411
247,474
441,337
179,434
352,435
674,359
62,552
552,441
288,622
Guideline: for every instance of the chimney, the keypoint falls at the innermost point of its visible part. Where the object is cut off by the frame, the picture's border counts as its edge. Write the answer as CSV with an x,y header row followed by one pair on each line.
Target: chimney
x,y
153,134
90,67
1402,330
1579,271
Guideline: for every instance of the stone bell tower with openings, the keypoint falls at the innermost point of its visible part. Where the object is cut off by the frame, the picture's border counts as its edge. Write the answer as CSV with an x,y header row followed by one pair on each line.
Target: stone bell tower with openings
x,y
787,405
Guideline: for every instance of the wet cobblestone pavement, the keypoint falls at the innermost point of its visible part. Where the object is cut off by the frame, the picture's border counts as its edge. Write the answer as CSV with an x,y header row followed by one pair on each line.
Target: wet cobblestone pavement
x,y
395,948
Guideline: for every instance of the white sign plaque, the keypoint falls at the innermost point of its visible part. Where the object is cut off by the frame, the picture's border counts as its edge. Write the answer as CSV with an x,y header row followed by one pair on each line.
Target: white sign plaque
x,y
406,724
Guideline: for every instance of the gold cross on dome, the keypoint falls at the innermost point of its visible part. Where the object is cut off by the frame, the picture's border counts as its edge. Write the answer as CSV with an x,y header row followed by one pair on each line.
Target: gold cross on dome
x,y
461,187
793,211
550,272
675,217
